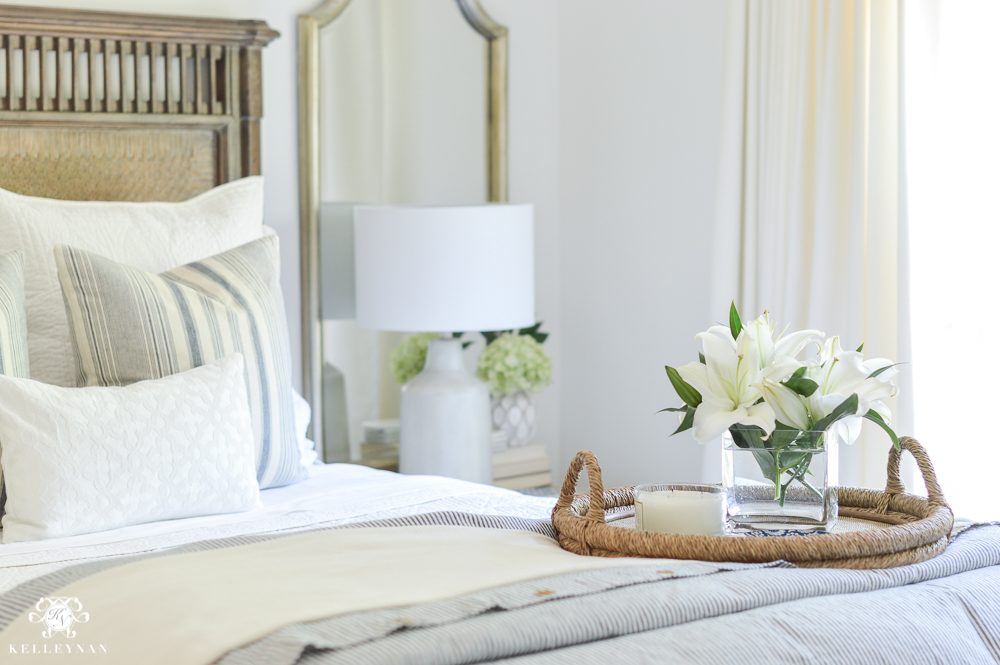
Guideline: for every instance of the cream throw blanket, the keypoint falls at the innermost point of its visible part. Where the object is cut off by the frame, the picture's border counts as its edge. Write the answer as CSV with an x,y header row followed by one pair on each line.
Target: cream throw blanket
x,y
192,608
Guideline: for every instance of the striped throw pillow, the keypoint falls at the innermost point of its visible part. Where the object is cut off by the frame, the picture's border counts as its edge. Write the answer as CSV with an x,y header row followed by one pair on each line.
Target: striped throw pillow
x,y
129,325
13,329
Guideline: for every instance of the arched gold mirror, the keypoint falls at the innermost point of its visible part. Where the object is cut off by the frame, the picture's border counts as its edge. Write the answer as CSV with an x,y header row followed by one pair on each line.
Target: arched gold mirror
x,y
399,103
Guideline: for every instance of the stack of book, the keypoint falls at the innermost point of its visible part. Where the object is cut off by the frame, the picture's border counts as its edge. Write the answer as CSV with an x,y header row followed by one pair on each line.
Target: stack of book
x,y
521,467
385,432
380,448
513,468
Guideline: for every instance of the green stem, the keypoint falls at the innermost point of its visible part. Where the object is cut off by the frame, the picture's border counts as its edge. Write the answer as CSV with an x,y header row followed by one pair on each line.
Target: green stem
x,y
795,463
799,475
779,493
805,483
784,488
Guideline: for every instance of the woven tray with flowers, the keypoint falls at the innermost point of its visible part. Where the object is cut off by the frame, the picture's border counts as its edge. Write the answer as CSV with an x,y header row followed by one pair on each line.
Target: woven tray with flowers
x,y
879,529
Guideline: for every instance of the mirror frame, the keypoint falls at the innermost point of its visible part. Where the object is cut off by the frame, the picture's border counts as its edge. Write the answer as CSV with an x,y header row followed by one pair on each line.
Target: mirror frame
x,y
309,25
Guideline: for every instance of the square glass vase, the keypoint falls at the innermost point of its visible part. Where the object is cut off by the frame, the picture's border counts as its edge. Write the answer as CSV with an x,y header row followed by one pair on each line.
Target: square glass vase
x,y
786,481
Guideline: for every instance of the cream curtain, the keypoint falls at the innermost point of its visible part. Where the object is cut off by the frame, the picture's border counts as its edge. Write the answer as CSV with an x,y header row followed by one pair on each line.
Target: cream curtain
x,y
810,216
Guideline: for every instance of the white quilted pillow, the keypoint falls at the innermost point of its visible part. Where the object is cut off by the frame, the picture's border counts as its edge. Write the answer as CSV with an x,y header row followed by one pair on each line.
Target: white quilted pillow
x,y
150,236
81,460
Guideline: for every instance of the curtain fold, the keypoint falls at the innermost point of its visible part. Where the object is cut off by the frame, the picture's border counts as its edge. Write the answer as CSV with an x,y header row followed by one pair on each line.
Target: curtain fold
x,y
809,218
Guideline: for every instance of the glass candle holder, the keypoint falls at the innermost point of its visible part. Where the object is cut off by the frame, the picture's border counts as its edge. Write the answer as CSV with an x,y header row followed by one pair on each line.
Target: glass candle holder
x,y
697,510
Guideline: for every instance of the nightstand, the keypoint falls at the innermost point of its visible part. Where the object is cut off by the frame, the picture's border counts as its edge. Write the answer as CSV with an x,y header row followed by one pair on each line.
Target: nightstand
x,y
513,468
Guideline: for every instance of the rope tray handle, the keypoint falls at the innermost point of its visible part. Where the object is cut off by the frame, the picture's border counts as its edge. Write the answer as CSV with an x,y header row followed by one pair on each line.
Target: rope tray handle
x,y
894,486
566,495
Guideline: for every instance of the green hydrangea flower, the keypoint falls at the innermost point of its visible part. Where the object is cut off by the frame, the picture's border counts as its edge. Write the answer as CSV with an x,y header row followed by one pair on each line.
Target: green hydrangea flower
x,y
514,362
407,359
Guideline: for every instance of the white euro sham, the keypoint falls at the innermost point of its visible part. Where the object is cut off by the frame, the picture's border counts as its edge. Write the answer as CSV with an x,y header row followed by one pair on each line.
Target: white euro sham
x,y
85,460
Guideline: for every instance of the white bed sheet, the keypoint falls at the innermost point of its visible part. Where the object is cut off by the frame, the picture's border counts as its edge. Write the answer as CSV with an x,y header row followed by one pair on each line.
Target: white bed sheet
x,y
334,494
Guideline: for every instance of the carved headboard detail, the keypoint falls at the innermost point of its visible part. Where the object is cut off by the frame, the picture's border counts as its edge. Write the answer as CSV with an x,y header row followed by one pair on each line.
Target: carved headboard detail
x,y
127,107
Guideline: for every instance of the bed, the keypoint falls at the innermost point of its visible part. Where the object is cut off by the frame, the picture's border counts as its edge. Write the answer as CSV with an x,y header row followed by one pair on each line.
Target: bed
x,y
348,564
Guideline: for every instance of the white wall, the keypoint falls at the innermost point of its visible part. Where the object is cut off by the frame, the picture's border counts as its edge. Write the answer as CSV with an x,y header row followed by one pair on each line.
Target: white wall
x,y
640,85
533,124
614,116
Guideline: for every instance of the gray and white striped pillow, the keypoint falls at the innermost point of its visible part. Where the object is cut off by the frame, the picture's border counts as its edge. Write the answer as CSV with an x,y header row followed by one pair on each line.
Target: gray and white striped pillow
x,y
129,325
13,324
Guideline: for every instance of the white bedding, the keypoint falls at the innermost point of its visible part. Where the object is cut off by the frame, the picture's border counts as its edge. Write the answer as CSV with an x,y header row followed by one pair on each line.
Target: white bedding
x,y
334,494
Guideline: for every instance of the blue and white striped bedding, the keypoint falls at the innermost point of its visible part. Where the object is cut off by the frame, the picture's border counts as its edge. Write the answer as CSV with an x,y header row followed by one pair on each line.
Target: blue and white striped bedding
x,y
946,610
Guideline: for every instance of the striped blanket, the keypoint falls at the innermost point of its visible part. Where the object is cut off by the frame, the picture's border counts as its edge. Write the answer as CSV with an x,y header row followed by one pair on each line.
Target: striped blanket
x,y
946,610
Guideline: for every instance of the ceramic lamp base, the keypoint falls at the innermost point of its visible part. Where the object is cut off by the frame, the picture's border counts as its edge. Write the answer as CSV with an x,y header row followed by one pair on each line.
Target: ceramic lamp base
x,y
444,427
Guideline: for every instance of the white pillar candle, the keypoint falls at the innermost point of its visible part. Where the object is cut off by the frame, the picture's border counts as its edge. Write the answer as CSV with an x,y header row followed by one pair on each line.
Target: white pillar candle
x,y
682,509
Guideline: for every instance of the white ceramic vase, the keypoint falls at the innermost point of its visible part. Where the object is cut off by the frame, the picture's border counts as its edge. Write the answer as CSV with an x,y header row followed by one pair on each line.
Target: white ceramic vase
x,y
444,423
515,414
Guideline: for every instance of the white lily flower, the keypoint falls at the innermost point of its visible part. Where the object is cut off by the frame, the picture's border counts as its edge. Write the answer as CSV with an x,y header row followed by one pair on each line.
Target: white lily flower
x,y
728,382
788,406
846,372
771,350
742,381
840,374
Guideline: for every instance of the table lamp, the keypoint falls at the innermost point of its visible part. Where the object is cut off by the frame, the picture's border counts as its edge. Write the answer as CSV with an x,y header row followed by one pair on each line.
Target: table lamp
x,y
445,269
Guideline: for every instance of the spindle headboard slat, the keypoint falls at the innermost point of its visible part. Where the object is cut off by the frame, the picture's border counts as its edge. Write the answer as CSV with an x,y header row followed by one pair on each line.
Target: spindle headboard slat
x,y
127,107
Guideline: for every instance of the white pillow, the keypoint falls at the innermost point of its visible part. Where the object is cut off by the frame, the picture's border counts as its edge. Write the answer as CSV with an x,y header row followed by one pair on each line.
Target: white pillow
x,y
81,460
150,236
303,416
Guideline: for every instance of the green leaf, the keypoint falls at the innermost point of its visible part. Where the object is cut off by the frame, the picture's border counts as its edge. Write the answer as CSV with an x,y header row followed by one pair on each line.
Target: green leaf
x,y
458,335
534,332
491,335
880,370
684,390
799,384
846,408
874,416
701,358
860,347
738,437
752,437
735,325
790,460
679,409
687,423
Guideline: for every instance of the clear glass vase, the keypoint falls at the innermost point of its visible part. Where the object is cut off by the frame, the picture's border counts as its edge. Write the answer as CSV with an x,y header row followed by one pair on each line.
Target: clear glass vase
x,y
787,481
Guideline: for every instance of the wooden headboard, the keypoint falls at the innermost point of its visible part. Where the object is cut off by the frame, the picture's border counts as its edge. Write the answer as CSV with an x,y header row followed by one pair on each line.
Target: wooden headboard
x,y
127,107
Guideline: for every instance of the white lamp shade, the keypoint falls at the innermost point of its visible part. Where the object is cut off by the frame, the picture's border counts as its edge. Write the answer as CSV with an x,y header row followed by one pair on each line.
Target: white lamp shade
x,y
441,269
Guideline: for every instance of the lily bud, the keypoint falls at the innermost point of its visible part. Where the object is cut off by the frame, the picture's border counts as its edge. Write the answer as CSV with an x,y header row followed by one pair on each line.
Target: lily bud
x,y
786,404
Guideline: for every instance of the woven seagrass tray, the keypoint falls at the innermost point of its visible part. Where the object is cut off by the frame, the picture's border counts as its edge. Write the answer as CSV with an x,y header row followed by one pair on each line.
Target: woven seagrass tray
x,y
899,528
